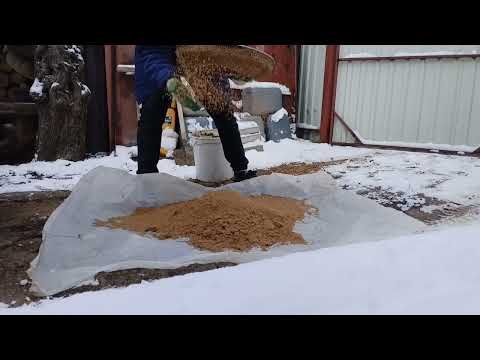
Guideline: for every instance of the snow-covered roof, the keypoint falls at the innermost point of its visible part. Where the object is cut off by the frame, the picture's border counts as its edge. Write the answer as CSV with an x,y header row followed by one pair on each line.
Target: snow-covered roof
x,y
259,84
368,51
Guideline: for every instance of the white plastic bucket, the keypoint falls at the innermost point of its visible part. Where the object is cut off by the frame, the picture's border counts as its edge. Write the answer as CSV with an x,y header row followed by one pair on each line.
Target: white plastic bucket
x,y
210,162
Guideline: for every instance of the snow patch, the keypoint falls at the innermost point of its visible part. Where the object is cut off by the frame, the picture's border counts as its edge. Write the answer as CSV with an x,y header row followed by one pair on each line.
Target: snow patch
x,y
279,115
429,209
358,55
91,282
427,53
259,84
241,115
37,88
431,146
75,50
64,174
198,124
430,273
85,90
409,54
289,150
243,125
407,175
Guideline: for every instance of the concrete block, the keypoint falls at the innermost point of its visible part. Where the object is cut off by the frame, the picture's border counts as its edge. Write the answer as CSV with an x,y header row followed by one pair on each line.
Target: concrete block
x,y
261,101
257,119
258,148
250,138
247,127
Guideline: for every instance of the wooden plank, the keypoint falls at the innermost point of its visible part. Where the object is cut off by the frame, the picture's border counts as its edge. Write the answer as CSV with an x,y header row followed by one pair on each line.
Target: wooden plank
x,y
349,129
410,149
109,84
329,93
125,110
182,123
95,79
184,154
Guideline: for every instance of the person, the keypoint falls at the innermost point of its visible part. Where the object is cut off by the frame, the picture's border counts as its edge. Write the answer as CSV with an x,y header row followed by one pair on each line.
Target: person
x,y
154,66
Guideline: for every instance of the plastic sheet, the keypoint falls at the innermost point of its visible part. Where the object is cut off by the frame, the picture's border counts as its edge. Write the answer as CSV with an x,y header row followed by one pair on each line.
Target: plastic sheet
x,y
73,249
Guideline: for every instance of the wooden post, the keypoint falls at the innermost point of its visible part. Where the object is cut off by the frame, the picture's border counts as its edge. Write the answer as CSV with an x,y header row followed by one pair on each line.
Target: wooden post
x,y
329,91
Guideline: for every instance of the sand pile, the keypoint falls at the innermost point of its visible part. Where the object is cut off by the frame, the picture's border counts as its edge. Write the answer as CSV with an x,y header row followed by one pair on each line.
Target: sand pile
x,y
208,67
221,220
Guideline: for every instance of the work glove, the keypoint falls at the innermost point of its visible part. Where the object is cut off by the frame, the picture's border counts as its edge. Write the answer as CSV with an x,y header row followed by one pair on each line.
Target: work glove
x,y
178,90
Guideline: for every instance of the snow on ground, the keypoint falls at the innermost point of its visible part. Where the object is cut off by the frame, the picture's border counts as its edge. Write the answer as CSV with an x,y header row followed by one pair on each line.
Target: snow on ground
x,y
431,273
63,175
405,53
37,88
433,147
451,178
279,115
239,85
407,177
289,151
435,272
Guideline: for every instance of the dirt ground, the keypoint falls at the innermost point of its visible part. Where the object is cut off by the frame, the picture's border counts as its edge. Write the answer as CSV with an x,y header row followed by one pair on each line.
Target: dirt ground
x,y
447,211
23,216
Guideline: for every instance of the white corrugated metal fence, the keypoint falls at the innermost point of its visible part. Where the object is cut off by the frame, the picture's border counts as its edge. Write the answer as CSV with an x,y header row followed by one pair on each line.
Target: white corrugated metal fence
x,y
430,103
310,89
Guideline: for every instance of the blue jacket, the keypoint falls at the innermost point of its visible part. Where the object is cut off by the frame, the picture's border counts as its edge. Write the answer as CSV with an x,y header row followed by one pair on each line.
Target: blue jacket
x,y
154,65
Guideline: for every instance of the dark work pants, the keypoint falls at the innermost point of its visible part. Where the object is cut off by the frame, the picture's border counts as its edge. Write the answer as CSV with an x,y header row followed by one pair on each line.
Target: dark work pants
x,y
149,135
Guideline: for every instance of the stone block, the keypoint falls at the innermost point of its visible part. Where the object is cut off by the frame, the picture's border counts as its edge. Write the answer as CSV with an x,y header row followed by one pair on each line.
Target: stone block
x,y
278,130
261,101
